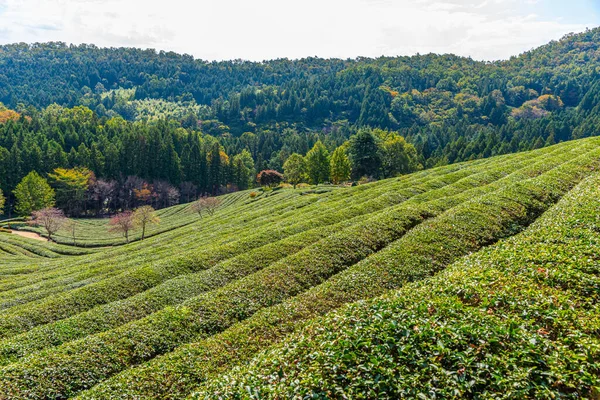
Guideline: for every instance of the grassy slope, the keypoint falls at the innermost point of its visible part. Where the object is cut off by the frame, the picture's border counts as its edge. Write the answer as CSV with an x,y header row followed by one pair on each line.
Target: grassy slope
x,y
517,320
243,279
419,253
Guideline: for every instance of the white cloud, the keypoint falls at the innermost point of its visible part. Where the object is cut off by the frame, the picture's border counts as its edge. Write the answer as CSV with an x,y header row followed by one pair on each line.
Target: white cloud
x,y
265,29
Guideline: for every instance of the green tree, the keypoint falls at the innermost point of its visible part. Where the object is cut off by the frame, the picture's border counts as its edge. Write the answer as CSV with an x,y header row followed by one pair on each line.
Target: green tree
x,y
340,167
2,200
33,193
317,163
215,167
399,157
243,169
364,154
294,169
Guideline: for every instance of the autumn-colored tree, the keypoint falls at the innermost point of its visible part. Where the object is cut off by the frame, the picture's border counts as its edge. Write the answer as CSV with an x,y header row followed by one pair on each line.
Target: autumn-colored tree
x,y
145,194
294,169
8,115
269,177
71,186
340,167
50,218
33,193
206,204
122,223
144,216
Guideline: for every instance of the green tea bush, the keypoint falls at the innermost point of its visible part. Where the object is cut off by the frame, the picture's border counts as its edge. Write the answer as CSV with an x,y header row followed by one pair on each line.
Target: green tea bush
x,y
78,364
516,320
426,249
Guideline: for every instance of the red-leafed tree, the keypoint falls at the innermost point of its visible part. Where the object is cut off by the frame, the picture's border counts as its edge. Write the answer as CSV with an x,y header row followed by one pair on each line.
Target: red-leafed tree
x,y
269,177
122,223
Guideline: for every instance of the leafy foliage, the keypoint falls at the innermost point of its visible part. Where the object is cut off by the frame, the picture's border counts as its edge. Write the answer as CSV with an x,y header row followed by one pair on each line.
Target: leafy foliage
x,y
499,323
32,194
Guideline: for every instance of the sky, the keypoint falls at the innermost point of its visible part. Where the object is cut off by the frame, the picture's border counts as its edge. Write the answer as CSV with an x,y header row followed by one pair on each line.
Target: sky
x,y
267,29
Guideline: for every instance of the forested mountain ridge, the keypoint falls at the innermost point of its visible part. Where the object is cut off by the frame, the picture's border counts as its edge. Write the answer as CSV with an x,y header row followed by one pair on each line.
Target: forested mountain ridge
x,y
42,74
164,117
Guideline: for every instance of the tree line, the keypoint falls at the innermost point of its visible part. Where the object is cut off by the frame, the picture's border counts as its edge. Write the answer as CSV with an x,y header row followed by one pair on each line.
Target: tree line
x,y
102,110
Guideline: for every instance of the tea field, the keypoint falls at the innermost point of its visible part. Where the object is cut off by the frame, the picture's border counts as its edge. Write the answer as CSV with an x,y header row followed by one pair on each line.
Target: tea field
x,y
473,280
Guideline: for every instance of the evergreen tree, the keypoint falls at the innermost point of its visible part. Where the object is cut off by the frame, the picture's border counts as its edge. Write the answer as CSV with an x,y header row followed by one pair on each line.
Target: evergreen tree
x,y
243,169
33,193
340,167
215,168
364,154
317,164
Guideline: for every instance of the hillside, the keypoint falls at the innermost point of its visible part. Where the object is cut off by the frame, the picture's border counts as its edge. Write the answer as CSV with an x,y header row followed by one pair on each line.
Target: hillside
x,y
252,302
140,119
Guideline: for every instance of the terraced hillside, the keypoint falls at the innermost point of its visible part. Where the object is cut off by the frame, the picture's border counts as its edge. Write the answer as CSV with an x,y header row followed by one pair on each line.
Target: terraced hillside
x,y
174,315
94,232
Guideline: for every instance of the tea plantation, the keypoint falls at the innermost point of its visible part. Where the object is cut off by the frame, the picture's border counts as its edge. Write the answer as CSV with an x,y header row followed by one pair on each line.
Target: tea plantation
x,y
473,280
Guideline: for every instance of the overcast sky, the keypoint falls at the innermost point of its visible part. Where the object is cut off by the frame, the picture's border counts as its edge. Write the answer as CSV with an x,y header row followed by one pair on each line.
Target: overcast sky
x,y
266,29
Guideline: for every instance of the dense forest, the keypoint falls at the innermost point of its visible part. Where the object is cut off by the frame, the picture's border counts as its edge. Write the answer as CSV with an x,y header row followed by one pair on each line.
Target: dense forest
x,y
140,117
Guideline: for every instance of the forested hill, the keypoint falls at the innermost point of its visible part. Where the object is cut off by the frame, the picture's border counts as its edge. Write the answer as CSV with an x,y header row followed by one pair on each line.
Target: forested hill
x,y
159,115
311,91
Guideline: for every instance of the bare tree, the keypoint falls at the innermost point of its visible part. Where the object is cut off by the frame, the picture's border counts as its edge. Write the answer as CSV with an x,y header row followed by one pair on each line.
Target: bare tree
x,y
206,204
166,194
71,226
127,194
144,216
188,190
104,193
122,223
173,196
50,218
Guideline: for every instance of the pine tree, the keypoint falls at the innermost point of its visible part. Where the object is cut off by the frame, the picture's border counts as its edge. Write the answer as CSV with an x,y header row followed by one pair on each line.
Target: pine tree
x,y
215,167
364,154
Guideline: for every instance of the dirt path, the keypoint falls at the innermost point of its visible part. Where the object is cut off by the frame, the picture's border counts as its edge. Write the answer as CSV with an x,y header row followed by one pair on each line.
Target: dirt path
x,y
30,235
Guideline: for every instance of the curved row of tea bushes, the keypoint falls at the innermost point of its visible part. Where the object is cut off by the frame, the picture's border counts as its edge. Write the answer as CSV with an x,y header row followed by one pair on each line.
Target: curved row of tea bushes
x,y
93,232
516,320
429,247
176,290
36,248
224,223
170,293
19,319
117,261
74,366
